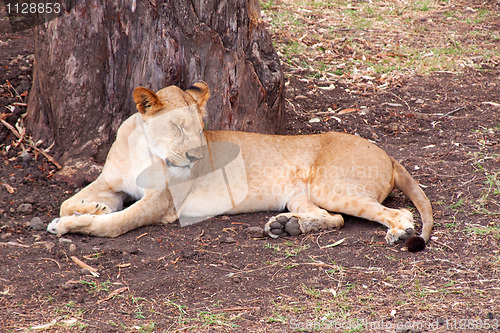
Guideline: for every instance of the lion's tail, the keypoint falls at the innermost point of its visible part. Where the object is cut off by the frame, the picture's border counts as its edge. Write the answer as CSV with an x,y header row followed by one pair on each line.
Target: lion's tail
x,y
405,182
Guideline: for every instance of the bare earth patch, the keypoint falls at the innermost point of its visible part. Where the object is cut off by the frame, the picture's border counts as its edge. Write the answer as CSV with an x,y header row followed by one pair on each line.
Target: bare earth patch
x,y
438,114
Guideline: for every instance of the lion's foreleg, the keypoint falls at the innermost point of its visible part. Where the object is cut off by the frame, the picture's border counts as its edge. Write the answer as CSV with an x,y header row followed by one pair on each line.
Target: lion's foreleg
x,y
153,208
96,199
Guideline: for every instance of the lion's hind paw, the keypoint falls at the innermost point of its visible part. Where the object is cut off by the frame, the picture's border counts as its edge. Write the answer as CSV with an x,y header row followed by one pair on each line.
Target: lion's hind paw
x,y
397,235
283,225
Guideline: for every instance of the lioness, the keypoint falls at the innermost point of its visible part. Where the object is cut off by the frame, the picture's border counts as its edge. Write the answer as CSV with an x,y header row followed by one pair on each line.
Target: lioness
x,y
310,175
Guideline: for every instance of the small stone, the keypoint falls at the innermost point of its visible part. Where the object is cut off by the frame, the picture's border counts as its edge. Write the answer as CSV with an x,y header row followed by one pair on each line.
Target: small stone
x,y
255,232
6,235
85,271
30,199
419,101
72,247
26,157
37,224
65,240
25,208
229,240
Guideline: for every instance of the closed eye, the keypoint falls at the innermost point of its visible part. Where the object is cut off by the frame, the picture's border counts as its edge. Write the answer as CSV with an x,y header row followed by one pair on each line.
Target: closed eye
x,y
180,129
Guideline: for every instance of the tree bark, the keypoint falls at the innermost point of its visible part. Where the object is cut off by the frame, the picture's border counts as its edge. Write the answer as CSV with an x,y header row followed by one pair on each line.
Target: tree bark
x,y
89,60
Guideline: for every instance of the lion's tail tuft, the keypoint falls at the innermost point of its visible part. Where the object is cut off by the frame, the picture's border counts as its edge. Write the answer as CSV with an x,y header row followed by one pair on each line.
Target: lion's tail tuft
x,y
415,244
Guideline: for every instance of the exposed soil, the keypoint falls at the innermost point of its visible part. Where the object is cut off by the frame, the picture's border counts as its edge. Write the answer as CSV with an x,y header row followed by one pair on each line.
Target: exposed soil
x,y
215,277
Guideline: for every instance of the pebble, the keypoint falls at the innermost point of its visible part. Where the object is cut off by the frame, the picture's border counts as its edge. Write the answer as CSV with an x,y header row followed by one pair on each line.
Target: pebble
x,y
65,240
25,157
37,224
229,240
419,101
72,247
25,208
255,232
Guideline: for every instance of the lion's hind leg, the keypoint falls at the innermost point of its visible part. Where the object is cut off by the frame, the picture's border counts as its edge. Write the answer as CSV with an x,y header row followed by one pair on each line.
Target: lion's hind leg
x,y
399,221
304,217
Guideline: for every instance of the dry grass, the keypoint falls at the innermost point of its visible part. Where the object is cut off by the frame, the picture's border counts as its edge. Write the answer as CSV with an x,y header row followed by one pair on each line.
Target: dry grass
x,y
377,42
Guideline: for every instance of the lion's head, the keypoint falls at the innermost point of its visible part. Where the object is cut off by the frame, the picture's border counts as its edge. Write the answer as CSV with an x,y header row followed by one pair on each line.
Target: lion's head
x,y
173,123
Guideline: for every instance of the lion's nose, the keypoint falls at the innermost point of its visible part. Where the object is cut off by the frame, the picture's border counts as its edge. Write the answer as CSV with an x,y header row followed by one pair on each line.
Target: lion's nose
x,y
194,154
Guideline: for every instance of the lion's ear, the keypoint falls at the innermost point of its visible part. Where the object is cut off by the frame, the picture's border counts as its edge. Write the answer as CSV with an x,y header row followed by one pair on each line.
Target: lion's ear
x,y
146,100
200,92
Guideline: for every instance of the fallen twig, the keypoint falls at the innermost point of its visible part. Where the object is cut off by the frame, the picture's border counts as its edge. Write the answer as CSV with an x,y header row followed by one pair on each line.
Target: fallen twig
x,y
453,111
491,103
83,265
31,144
53,261
113,294
17,244
140,236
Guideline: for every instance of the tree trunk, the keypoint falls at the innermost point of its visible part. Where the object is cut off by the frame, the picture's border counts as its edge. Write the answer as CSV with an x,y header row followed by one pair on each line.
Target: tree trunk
x,y
88,61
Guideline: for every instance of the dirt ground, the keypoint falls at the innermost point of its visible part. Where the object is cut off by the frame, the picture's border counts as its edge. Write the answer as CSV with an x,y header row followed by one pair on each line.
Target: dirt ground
x,y
215,277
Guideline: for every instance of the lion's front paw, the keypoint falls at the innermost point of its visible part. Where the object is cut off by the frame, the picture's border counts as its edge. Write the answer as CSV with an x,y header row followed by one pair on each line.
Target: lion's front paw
x,y
397,235
55,227
93,208
283,225
65,224
84,207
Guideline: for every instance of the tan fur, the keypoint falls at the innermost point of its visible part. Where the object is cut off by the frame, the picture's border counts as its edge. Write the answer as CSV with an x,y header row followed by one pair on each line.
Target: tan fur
x,y
310,175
